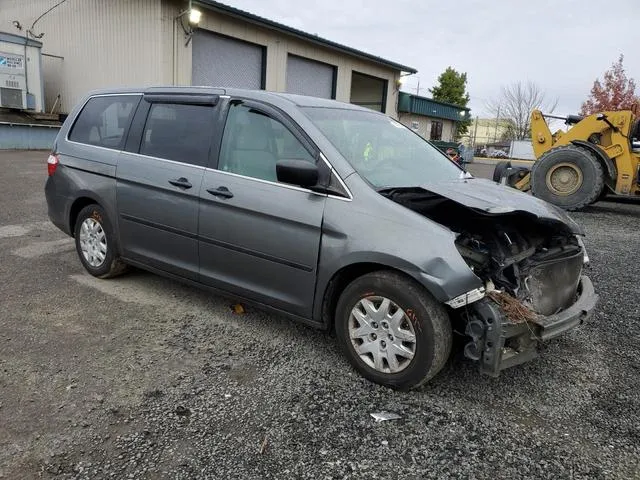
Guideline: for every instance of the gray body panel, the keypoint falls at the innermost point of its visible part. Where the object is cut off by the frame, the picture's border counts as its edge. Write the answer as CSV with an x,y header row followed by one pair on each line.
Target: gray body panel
x,y
263,242
73,185
396,237
270,243
85,172
158,221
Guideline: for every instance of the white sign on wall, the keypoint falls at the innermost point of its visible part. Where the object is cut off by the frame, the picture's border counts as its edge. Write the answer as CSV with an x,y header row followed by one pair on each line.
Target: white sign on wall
x,y
8,60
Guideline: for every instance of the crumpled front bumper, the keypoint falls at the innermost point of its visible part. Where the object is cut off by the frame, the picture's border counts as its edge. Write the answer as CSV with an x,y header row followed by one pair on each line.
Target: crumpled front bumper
x,y
497,343
554,325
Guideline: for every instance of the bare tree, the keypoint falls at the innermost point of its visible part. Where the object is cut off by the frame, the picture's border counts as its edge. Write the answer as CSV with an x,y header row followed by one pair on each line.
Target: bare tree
x,y
514,105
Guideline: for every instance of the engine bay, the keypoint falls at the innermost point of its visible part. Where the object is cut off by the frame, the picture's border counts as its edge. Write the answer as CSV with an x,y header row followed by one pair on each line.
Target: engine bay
x,y
537,262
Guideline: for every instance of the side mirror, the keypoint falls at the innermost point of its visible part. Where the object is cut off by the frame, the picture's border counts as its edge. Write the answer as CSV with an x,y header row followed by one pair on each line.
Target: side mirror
x,y
297,172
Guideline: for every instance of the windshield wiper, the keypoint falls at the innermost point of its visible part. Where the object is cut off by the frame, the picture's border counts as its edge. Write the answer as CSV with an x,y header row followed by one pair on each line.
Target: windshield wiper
x,y
406,192
386,190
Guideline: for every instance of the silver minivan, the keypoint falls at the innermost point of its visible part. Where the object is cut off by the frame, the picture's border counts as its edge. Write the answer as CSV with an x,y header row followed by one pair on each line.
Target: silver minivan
x,y
332,214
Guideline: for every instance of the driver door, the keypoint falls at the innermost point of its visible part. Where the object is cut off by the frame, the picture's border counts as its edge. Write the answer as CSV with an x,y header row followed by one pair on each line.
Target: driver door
x,y
260,238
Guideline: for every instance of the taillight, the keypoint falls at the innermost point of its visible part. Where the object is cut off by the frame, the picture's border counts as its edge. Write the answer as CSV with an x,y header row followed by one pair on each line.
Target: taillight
x,y
52,164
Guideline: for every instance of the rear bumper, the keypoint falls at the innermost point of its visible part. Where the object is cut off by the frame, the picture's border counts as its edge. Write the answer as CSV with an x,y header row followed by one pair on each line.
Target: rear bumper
x,y
497,344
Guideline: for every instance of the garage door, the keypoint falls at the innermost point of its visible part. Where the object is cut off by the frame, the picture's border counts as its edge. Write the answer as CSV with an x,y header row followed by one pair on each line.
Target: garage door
x,y
226,62
308,77
368,91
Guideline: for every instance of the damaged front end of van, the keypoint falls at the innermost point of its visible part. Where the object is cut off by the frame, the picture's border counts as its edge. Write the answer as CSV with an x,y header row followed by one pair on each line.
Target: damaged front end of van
x,y
529,256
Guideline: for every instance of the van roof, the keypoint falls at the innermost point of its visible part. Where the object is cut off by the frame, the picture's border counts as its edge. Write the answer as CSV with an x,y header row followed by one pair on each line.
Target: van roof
x,y
273,97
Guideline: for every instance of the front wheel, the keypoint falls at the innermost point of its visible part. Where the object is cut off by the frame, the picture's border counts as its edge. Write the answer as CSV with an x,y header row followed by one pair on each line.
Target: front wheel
x,y
392,330
568,176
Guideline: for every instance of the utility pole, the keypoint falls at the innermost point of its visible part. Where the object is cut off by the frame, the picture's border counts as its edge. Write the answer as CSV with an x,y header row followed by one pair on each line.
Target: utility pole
x,y
495,131
475,130
418,88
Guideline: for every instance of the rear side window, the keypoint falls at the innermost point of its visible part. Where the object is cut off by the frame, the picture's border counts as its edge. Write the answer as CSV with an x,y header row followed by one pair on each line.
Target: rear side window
x,y
103,121
178,132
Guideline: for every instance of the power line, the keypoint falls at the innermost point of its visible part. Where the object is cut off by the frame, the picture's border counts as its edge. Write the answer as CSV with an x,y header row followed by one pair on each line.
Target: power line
x,y
30,30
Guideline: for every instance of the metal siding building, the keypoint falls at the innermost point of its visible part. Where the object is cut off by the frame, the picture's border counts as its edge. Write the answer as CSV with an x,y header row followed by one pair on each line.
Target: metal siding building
x,y
422,114
89,44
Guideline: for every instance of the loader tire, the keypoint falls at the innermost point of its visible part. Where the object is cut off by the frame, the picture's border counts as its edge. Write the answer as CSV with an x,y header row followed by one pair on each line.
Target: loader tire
x,y
569,176
511,175
501,171
602,196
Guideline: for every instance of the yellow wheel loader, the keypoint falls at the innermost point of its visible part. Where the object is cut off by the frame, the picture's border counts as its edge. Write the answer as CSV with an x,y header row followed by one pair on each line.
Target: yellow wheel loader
x,y
599,154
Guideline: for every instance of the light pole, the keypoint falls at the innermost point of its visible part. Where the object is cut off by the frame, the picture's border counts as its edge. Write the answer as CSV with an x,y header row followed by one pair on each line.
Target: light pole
x,y
463,114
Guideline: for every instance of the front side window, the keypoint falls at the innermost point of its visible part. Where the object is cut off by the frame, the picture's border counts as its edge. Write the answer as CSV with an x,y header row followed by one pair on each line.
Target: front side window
x,y
253,143
103,121
178,132
383,151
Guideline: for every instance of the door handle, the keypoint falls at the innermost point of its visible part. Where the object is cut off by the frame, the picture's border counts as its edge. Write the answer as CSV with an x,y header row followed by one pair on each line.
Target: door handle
x,y
180,182
220,192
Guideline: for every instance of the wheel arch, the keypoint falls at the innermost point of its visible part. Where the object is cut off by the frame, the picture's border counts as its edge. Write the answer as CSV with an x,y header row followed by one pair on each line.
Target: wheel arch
x,y
78,204
344,276
609,167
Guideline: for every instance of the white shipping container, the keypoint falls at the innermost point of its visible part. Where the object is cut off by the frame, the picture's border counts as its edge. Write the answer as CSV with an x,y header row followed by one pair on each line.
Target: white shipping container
x,y
21,85
522,150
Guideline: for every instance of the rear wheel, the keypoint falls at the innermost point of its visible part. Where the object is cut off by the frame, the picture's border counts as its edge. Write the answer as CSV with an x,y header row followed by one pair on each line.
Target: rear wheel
x,y
510,175
95,243
392,330
501,171
570,177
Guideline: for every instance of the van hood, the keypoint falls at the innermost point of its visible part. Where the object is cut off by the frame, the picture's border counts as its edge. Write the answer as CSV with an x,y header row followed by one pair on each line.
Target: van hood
x,y
491,198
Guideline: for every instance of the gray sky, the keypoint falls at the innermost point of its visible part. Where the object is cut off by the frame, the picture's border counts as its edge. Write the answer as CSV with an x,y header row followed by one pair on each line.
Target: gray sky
x,y
563,45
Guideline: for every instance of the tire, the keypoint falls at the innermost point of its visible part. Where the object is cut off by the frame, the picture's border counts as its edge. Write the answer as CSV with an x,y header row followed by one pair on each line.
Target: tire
x,y
107,263
603,195
579,162
424,317
512,175
501,171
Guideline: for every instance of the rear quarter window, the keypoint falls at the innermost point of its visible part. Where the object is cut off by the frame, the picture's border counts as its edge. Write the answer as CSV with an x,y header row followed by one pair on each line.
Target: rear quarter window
x,y
104,120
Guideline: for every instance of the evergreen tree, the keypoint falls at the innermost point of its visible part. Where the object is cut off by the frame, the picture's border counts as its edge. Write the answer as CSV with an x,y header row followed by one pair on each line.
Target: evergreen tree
x,y
452,88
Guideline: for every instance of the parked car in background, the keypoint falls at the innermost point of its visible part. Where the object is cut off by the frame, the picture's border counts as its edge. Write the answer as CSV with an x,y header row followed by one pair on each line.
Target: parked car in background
x,y
329,213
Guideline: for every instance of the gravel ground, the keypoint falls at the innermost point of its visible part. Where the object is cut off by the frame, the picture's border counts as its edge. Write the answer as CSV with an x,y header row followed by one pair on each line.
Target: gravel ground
x,y
141,377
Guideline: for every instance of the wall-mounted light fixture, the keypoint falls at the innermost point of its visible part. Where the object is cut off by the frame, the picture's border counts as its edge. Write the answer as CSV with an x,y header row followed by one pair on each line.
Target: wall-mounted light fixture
x,y
192,17
401,80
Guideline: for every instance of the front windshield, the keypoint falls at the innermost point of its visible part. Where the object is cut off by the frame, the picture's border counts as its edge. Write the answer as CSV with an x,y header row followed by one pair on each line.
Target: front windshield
x,y
383,151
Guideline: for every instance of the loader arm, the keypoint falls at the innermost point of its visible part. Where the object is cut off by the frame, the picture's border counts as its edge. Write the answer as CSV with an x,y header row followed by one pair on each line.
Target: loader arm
x,y
541,137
